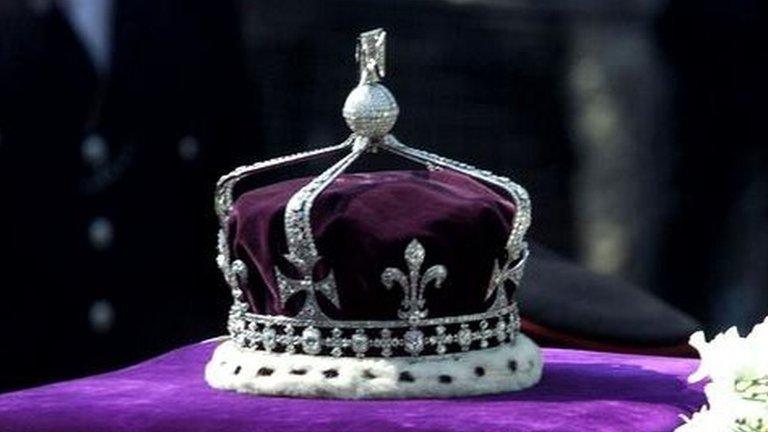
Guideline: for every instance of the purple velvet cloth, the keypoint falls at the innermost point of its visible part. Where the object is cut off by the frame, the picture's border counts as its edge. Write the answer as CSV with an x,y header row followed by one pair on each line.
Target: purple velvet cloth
x,y
362,224
580,391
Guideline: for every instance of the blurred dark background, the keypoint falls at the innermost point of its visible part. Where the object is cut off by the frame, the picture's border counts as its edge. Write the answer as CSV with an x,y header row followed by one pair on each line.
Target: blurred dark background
x,y
637,126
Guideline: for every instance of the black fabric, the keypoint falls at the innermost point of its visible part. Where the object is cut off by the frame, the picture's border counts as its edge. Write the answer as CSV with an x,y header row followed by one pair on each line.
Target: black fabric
x,y
177,70
563,296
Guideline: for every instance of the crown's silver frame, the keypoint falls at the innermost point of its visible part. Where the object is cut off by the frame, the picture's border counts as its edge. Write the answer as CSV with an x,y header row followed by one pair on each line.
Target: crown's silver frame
x,y
368,115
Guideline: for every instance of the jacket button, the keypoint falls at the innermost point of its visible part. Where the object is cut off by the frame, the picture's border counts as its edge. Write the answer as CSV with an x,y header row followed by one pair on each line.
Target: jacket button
x,y
94,150
101,233
189,148
101,316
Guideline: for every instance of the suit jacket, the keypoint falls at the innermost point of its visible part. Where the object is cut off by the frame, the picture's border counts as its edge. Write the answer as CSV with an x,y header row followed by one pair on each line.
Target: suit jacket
x,y
109,245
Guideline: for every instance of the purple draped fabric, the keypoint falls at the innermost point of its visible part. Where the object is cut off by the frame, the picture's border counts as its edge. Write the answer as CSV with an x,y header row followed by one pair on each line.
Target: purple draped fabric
x,y
580,391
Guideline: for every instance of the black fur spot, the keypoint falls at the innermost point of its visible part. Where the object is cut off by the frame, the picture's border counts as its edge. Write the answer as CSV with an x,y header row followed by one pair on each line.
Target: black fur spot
x,y
512,365
265,371
406,377
298,372
238,369
480,371
367,374
330,373
445,379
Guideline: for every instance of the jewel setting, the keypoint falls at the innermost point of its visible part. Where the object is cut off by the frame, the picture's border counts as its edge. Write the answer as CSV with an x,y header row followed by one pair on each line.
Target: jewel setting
x,y
371,112
367,339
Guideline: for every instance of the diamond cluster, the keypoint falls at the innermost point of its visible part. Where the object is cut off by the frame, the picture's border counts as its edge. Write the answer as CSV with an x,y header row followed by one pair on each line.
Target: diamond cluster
x,y
367,339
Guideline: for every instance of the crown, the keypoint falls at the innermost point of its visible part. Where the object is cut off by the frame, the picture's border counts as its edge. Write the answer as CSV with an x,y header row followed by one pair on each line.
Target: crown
x,y
382,289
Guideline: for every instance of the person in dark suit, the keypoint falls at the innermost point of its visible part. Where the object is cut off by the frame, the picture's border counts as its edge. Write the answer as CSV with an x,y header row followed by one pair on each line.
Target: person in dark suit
x,y
115,121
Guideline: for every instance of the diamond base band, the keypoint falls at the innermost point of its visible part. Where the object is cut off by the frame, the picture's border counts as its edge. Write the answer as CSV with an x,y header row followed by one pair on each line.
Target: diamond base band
x,y
429,337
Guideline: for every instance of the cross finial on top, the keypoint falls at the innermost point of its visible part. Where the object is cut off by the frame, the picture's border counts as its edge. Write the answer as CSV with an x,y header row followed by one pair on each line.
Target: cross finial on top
x,y
371,55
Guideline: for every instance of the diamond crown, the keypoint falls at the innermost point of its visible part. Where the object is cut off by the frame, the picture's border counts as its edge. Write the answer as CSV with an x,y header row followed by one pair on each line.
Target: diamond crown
x,y
370,111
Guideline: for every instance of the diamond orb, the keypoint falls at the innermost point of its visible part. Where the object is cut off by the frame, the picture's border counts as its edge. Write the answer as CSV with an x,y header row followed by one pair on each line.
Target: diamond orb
x,y
413,341
310,340
370,110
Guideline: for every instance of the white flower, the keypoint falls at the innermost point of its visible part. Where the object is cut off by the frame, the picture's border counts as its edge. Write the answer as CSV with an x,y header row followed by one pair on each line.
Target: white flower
x,y
723,358
758,342
729,356
723,419
707,420
737,393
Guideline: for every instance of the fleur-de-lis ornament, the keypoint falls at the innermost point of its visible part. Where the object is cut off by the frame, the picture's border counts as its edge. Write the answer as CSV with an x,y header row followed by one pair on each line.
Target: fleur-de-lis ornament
x,y
414,284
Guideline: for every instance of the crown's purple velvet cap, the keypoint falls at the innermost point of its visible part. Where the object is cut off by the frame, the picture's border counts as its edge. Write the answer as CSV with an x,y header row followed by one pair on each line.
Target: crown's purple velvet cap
x,y
362,224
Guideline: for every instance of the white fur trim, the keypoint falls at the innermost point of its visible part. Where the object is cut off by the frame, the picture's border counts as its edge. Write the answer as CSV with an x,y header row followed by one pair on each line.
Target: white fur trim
x,y
231,368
